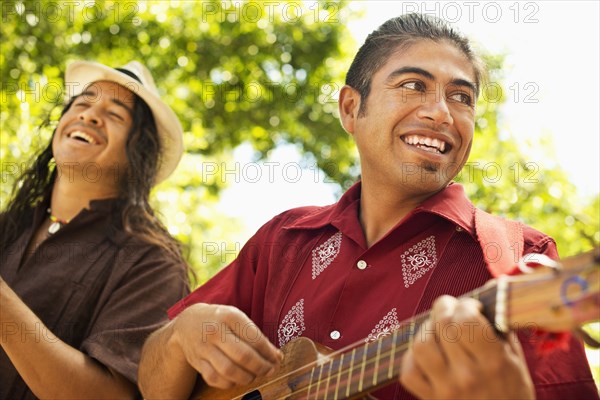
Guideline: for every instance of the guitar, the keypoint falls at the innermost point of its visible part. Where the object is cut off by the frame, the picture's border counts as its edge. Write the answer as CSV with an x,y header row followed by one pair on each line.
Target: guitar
x,y
553,298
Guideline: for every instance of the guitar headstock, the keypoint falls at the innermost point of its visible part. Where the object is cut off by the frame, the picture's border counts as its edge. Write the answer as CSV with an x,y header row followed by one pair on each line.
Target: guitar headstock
x,y
553,297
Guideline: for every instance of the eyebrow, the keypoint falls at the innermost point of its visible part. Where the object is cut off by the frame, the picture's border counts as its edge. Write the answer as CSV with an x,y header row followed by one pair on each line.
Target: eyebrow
x,y
430,76
116,101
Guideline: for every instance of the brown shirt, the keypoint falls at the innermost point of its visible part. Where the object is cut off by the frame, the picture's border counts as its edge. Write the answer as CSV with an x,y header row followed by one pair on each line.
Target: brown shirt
x,y
94,286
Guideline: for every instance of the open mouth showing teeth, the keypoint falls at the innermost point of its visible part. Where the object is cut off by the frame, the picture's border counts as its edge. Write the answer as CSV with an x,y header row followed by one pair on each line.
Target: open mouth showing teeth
x,y
428,144
82,136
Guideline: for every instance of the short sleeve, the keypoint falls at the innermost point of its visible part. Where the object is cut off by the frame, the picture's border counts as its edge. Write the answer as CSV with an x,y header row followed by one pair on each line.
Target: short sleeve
x,y
132,306
539,243
225,287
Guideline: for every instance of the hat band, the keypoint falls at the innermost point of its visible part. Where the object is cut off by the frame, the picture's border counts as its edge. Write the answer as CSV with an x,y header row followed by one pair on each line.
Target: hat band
x,y
129,73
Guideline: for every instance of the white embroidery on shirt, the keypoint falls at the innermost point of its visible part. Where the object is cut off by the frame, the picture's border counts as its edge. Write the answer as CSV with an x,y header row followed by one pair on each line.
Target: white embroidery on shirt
x,y
417,260
323,255
292,324
385,327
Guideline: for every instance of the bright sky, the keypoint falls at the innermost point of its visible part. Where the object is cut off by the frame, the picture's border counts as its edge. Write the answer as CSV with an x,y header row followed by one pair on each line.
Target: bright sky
x,y
552,70
552,82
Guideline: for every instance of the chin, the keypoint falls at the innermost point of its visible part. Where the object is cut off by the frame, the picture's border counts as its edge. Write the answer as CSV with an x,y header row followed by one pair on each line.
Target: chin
x,y
64,158
427,181
430,167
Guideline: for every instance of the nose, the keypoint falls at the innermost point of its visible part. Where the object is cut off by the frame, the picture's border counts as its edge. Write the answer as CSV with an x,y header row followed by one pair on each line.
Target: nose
x,y
435,108
90,115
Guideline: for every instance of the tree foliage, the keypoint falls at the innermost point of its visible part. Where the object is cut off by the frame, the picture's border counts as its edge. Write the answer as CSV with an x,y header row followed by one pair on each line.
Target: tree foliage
x,y
263,73
502,178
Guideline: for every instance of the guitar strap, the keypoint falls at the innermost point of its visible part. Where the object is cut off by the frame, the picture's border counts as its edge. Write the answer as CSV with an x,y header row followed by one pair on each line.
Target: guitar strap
x,y
501,241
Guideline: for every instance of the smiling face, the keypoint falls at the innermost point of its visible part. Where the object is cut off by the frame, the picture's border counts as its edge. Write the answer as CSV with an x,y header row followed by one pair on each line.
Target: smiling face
x,y
416,131
92,134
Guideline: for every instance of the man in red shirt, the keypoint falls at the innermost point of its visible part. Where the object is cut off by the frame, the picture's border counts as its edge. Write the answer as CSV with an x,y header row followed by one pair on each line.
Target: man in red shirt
x,y
396,241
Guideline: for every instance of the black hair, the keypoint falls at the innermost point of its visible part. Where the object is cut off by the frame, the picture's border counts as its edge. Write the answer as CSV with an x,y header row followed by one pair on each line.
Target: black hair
x,y
143,149
398,34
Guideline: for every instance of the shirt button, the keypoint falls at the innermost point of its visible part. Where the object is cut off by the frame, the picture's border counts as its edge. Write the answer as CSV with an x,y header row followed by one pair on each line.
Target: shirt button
x,y
335,335
362,264
458,229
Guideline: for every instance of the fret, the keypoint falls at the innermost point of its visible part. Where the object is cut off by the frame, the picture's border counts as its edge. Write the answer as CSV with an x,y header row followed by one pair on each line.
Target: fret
x,y
328,378
350,372
362,367
390,374
319,382
339,376
310,382
375,375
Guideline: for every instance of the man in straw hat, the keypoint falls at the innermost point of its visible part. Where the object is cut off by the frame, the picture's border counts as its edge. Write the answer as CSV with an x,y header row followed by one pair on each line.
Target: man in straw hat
x,y
87,270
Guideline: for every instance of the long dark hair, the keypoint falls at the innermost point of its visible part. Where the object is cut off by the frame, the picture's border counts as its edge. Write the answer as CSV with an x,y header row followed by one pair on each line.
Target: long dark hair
x,y
143,151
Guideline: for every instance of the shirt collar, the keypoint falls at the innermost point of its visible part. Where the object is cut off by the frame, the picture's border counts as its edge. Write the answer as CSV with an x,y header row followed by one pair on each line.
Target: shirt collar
x,y
326,215
97,209
102,206
451,203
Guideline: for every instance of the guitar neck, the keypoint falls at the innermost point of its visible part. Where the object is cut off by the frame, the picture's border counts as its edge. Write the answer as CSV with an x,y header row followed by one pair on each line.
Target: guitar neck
x,y
559,299
358,369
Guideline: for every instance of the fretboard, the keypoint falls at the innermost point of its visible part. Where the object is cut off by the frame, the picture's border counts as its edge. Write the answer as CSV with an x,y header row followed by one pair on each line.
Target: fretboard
x,y
362,367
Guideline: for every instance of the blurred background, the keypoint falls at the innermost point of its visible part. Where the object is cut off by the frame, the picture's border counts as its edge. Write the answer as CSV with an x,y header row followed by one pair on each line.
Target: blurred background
x,y
255,85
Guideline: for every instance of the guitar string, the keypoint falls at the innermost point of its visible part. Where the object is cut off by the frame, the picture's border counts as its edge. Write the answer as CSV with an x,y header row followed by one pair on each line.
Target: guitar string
x,y
312,365
353,379
391,355
349,370
403,347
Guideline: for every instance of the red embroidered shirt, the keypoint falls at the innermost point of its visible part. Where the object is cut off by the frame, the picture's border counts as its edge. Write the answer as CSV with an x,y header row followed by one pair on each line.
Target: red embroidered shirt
x,y
308,272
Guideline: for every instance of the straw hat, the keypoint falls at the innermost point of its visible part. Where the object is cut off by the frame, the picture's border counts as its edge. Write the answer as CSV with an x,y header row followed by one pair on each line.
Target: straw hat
x,y
135,77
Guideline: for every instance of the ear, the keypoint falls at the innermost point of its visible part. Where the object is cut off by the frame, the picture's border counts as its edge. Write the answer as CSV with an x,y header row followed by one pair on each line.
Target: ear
x,y
349,104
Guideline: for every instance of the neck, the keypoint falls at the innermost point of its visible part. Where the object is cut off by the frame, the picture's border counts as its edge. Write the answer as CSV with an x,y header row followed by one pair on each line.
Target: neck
x,y
70,197
362,367
382,208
